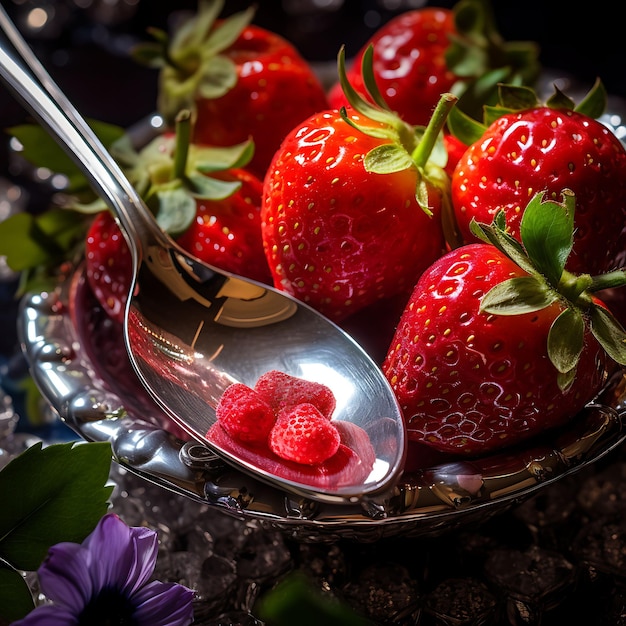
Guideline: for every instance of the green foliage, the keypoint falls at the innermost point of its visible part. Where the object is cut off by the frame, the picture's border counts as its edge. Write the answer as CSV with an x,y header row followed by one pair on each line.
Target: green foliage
x,y
49,495
546,231
295,601
15,597
41,150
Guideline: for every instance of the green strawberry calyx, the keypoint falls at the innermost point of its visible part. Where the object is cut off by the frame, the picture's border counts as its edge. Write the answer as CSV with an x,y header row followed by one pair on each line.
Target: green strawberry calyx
x,y
481,58
546,232
407,146
478,46
172,174
192,63
513,98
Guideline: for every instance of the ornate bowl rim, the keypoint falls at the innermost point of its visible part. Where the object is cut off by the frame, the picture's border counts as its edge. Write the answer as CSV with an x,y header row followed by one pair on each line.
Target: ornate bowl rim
x,y
426,501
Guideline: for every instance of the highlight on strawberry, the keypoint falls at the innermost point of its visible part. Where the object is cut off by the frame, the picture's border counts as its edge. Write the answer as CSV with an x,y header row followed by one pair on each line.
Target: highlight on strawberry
x,y
524,146
240,81
499,342
353,202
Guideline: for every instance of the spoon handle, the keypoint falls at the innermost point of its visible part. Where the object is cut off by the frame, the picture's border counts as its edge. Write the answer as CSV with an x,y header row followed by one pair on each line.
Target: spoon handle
x,y
36,89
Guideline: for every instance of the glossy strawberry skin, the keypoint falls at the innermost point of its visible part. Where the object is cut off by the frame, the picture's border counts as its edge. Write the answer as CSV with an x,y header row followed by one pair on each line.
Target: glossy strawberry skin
x,y
108,265
335,236
227,233
471,383
409,63
276,89
543,148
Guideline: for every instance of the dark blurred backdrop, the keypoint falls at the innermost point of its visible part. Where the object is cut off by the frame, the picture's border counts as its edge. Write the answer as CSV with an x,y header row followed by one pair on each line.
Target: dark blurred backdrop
x,y
85,43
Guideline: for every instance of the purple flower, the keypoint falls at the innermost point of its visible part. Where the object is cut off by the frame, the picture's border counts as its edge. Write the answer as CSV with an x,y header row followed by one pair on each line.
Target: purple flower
x,y
103,581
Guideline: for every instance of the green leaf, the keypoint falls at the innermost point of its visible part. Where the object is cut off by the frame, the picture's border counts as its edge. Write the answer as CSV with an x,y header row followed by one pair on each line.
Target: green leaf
x,y
16,600
566,379
219,76
387,159
369,78
191,34
517,97
547,233
41,150
464,127
558,100
149,53
208,188
594,103
565,340
226,32
30,241
352,96
176,210
522,294
481,91
207,159
495,234
296,601
61,494
609,333
22,251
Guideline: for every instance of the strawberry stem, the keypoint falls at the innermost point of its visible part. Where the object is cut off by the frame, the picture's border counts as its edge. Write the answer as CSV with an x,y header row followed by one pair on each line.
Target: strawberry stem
x,y
571,286
616,278
183,137
424,148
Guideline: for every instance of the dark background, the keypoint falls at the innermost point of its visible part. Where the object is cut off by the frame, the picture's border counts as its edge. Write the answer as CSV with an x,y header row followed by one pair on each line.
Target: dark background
x,y
86,49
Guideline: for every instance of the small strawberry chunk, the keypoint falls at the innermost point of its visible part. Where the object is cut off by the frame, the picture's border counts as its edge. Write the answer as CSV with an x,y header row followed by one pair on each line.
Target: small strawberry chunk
x,y
304,435
244,414
283,391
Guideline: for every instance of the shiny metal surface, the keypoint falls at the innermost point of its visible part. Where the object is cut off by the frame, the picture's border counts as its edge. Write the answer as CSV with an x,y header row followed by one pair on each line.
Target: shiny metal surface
x,y
426,501
192,330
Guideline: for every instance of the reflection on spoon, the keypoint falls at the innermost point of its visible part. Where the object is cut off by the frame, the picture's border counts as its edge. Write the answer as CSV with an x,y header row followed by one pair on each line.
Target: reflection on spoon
x,y
190,326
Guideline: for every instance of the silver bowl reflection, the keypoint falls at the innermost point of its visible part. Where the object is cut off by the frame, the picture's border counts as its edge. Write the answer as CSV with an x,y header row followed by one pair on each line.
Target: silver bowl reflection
x,y
78,361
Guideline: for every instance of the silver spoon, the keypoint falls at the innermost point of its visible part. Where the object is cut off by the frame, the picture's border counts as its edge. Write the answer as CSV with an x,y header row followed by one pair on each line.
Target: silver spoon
x,y
192,329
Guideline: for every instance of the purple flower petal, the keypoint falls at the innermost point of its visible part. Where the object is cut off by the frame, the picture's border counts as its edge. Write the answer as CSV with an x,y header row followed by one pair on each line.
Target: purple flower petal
x,y
164,604
48,616
64,575
109,571
146,547
121,557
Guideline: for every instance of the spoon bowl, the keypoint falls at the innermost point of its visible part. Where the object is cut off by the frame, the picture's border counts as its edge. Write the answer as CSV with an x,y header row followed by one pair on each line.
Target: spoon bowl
x,y
191,329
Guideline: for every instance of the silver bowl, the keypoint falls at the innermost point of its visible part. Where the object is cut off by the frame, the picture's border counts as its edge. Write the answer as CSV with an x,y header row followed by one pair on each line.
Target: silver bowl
x,y
77,359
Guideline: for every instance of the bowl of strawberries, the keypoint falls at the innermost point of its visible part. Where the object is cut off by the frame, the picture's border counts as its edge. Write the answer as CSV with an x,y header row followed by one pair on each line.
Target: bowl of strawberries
x,y
469,231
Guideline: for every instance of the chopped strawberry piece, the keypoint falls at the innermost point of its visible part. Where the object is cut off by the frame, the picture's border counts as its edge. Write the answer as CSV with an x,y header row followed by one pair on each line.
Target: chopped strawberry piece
x,y
244,414
283,391
302,434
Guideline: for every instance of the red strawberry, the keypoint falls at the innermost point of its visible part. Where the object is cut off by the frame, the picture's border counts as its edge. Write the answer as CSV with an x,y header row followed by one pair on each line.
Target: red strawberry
x,y
488,354
303,435
282,391
244,414
409,64
547,148
425,52
352,206
108,265
227,232
241,81
201,196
